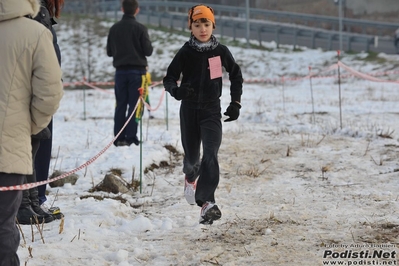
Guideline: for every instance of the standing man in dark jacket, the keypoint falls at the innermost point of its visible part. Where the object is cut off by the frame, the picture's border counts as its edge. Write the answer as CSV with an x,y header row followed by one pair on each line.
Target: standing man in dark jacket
x,y
49,10
129,45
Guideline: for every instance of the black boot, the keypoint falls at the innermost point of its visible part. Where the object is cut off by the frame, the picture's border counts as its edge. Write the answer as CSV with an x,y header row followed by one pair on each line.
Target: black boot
x,y
54,211
26,215
34,200
41,212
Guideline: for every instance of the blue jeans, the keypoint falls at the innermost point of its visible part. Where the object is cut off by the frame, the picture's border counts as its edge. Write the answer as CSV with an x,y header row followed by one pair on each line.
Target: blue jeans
x,y
127,83
42,163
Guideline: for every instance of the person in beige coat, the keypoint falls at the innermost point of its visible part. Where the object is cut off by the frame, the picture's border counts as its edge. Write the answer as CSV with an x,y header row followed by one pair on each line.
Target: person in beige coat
x,y
30,93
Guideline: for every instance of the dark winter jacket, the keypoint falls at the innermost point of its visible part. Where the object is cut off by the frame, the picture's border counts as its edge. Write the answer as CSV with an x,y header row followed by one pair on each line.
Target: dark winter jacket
x,y
194,67
129,44
44,18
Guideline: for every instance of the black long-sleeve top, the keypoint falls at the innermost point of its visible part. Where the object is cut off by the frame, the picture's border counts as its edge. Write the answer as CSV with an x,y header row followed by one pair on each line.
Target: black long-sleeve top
x,y
194,68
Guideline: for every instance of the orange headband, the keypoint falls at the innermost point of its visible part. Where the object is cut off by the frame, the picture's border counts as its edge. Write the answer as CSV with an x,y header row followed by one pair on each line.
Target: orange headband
x,y
200,11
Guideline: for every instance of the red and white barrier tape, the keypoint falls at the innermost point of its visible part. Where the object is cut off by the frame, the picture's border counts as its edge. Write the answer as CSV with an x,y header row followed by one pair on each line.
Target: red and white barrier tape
x,y
364,76
92,85
260,80
36,184
95,88
159,103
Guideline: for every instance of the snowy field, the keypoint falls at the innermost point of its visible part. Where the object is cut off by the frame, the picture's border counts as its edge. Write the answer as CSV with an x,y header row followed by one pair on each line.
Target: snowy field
x,y
309,170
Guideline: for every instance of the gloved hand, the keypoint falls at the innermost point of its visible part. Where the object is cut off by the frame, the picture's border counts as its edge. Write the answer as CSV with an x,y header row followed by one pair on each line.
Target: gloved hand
x,y
44,134
183,92
233,111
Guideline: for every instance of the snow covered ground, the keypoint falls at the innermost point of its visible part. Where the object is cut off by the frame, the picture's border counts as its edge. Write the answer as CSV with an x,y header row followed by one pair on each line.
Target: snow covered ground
x,y
303,174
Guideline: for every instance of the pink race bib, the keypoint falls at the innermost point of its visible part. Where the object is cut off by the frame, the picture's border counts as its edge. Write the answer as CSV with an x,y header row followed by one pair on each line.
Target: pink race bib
x,y
215,67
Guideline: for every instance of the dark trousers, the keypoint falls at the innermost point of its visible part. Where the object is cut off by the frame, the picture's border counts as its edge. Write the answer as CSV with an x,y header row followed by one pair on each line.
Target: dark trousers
x,y
201,125
9,233
127,83
42,163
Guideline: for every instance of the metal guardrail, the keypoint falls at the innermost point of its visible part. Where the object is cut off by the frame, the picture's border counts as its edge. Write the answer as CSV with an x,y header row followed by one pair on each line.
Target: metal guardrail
x,y
234,25
234,18
351,25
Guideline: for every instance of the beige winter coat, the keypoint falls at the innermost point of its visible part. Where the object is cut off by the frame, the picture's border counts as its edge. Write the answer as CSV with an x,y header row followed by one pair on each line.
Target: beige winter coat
x,y
30,83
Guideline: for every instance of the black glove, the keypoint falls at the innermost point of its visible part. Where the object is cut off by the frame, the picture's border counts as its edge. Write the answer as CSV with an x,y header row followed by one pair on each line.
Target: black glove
x,y
233,111
44,134
183,92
